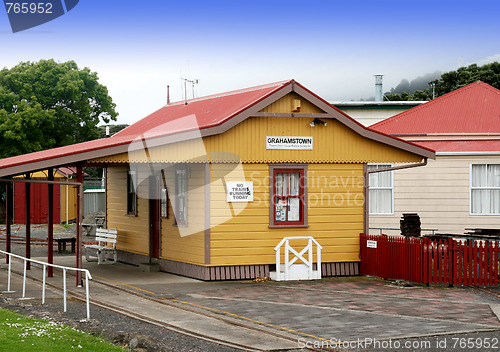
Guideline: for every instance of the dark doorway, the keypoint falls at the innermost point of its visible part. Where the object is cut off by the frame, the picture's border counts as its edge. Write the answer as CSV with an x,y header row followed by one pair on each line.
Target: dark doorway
x,y
154,216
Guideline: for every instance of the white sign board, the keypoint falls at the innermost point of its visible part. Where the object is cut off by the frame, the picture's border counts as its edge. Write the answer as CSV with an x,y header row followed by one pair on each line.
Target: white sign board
x,y
289,142
239,191
371,244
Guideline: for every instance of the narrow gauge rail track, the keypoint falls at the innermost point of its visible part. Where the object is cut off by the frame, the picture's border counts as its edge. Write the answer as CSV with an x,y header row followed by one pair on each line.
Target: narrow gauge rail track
x,y
180,306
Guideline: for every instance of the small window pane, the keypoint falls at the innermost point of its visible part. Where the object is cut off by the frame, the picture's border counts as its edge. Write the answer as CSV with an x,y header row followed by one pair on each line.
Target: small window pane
x,y
381,190
164,203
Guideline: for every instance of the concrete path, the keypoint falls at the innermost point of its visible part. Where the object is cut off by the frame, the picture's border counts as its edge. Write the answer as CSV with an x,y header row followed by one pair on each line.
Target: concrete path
x,y
343,309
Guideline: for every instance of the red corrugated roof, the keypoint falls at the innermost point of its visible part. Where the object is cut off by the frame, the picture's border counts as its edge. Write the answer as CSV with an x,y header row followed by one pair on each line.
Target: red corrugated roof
x,y
209,111
474,108
461,146
210,115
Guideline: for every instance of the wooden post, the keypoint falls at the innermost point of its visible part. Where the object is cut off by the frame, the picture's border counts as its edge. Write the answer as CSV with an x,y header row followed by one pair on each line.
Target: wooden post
x,y
28,221
79,220
50,230
452,262
8,214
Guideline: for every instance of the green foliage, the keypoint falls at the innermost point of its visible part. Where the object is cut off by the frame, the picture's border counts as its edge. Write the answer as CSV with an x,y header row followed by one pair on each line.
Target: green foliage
x,y
19,333
47,104
450,81
419,95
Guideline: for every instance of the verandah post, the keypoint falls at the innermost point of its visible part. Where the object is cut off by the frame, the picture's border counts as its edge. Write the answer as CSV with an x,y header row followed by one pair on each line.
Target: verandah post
x,y
28,220
79,220
8,220
50,225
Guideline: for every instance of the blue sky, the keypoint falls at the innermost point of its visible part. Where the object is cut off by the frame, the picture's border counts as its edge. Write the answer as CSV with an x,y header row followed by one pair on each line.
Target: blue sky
x,y
332,47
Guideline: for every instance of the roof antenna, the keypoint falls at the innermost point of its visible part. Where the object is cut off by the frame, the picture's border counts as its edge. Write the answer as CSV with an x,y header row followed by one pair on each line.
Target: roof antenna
x,y
168,94
193,82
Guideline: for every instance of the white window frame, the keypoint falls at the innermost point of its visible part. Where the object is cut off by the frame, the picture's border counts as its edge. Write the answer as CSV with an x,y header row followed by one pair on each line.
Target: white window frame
x,y
381,188
471,188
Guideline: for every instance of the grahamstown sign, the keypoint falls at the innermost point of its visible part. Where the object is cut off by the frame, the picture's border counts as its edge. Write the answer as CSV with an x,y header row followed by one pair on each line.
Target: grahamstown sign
x,y
289,142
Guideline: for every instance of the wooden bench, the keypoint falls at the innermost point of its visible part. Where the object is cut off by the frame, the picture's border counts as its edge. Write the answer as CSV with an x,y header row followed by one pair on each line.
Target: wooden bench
x,y
106,244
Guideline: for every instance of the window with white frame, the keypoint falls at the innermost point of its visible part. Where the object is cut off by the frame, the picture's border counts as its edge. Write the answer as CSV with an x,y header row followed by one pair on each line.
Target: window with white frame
x,y
381,190
485,189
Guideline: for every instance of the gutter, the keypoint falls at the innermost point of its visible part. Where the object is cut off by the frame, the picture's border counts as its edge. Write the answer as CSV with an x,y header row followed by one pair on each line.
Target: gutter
x,y
402,167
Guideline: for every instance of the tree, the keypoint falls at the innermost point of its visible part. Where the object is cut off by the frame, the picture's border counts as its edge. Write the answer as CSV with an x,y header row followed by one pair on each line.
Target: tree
x,y
112,129
450,81
47,104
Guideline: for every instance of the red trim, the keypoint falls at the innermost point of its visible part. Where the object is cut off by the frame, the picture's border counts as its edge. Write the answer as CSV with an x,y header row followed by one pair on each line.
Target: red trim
x,y
275,198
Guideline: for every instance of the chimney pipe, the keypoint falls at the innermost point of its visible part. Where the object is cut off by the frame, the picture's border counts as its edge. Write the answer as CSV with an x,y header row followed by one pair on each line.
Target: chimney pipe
x,y
168,94
378,87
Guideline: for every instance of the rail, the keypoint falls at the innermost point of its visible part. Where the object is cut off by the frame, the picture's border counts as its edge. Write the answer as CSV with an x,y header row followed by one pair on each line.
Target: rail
x,y
398,229
44,265
298,255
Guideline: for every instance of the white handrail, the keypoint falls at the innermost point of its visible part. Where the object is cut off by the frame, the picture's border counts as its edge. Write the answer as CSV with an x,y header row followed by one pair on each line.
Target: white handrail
x,y
64,269
297,238
289,248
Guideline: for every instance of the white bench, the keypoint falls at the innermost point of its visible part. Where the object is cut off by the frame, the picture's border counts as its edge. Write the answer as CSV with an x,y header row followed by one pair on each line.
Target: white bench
x,y
106,244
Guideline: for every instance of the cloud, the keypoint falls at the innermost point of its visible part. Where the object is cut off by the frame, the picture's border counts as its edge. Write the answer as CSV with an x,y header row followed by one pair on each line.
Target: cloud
x,y
488,60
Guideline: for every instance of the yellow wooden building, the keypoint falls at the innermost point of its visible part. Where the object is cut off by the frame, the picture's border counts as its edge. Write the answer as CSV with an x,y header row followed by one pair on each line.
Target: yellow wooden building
x,y
207,188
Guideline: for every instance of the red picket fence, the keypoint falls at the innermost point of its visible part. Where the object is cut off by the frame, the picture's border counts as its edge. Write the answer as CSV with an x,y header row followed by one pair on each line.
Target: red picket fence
x,y
430,262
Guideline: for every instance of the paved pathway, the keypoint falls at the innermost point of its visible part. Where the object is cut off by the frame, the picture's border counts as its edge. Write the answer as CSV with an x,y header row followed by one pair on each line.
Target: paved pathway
x,y
338,308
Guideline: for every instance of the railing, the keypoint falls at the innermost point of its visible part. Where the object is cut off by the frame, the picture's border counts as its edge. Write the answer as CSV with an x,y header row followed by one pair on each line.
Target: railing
x,y
429,261
381,229
308,262
44,265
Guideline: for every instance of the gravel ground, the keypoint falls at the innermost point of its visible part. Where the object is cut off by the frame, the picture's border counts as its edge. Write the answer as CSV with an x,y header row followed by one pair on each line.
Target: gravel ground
x,y
136,335
121,330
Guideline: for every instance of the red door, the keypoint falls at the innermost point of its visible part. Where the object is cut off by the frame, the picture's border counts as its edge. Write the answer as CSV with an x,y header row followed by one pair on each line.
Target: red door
x,y
39,208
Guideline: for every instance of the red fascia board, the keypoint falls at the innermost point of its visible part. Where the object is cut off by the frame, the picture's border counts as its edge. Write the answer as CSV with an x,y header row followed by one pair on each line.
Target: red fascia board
x,y
400,139
462,145
69,150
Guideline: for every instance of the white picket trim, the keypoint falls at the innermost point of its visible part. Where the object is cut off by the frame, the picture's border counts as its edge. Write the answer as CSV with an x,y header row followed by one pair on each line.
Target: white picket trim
x,y
298,255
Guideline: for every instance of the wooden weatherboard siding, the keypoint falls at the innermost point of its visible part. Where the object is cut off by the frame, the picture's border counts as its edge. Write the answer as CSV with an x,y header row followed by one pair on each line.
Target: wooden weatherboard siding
x,y
335,198
239,234
134,230
187,243
439,193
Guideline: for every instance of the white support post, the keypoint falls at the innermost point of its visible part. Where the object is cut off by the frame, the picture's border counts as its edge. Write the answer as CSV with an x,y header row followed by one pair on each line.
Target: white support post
x,y
8,277
64,288
287,261
278,264
318,261
24,280
43,285
87,294
310,258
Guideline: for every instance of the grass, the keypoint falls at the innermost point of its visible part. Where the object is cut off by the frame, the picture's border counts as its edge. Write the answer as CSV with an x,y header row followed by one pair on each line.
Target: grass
x,y
20,333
